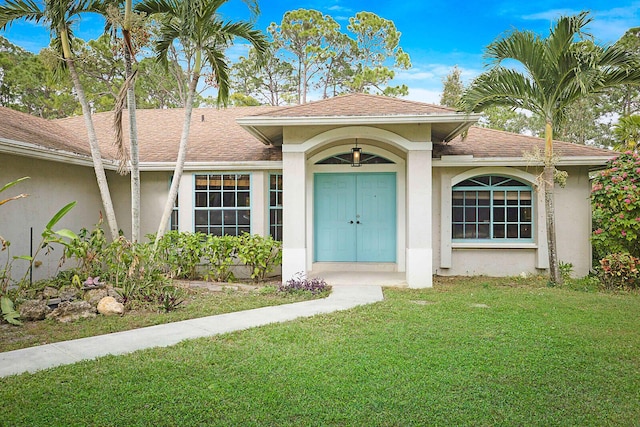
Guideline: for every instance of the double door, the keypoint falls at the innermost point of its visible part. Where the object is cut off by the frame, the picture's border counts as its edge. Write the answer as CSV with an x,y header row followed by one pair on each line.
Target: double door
x,y
355,217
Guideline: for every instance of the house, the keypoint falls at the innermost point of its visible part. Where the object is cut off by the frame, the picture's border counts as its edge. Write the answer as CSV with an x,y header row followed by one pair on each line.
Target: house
x,y
433,193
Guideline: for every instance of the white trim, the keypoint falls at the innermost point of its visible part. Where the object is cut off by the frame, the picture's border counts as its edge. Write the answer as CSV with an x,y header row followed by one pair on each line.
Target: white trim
x,y
469,160
253,121
352,132
213,166
497,245
25,149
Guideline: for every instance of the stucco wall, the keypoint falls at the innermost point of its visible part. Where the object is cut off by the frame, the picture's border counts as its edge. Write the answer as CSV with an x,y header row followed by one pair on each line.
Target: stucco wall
x,y
51,186
573,216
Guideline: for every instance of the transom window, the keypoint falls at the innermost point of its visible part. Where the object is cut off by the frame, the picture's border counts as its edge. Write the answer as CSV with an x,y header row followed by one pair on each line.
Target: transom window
x,y
345,159
275,206
492,208
223,204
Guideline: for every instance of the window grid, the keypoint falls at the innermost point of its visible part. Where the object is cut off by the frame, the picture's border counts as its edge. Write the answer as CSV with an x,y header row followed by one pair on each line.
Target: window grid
x,y
222,204
492,208
275,206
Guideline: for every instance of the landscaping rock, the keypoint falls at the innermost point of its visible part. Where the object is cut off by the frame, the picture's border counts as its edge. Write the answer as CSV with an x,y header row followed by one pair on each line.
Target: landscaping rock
x,y
31,310
68,293
112,292
69,311
110,307
94,296
49,292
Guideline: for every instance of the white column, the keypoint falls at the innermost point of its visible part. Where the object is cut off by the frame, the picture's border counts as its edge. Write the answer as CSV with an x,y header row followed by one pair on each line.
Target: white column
x,y
186,203
259,203
294,248
419,218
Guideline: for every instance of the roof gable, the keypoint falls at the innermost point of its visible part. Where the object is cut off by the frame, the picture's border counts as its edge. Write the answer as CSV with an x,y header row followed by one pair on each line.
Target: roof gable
x,y
358,104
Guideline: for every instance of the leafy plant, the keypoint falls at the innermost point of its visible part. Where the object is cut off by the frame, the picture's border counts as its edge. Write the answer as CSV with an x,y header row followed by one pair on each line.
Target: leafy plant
x,y
181,253
260,254
301,283
9,313
566,269
615,197
87,249
220,252
620,270
49,237
169,298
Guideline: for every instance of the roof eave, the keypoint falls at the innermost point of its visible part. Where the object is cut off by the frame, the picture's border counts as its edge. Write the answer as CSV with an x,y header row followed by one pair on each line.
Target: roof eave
x,y
457,161
25,149
356,120
252,124
213,166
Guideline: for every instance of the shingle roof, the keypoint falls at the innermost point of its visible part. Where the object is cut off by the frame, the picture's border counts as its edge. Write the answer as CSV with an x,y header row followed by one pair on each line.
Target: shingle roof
x,y
491,143
214,135
358,104
17,126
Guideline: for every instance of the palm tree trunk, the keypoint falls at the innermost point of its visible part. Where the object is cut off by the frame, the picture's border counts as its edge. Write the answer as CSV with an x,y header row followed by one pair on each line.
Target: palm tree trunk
x,y
182,155
133,139
549,204
98,166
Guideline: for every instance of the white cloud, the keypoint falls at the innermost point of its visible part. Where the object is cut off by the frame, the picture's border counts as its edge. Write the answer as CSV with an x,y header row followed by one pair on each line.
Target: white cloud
x,y
424,95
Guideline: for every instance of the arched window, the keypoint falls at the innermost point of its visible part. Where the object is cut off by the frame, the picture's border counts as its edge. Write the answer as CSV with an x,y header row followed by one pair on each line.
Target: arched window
x,y
345,159
492,208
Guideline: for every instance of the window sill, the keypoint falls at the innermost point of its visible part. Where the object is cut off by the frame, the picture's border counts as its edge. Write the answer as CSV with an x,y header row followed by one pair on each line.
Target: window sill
x,y
494,245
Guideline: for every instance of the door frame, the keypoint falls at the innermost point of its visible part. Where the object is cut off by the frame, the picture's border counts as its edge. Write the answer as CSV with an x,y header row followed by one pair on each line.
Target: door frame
x,y
398,167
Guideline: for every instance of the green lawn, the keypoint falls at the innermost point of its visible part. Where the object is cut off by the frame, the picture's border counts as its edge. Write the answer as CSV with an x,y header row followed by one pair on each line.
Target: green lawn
x,y
468,352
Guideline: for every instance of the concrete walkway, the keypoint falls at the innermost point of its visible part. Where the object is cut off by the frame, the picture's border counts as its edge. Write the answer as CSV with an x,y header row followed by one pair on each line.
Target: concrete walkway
x,y
67,352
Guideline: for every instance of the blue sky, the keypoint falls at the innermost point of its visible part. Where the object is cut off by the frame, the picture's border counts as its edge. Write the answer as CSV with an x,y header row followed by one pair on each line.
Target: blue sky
x,y
437,34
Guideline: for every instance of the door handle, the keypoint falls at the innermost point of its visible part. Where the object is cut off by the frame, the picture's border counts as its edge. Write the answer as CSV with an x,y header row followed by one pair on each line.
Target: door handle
x,y
350,222
357,222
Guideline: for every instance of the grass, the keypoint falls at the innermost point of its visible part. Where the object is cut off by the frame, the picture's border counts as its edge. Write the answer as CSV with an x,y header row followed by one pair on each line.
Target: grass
x,y
467,352
197,303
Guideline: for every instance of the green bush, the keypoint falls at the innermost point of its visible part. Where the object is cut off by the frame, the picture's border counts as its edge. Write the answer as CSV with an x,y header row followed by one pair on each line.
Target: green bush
x,y
620,271
181,253
615,197
260,254
220,252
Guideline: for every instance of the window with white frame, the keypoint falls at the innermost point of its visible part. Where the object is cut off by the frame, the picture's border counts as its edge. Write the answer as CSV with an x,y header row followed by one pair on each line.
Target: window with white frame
x,y
275,206
492,208
222,204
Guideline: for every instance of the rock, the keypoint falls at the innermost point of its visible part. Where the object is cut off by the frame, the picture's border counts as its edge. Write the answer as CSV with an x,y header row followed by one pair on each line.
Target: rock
x,y
109,307
68,311
113,292
49,292
34,310
94,296
68,293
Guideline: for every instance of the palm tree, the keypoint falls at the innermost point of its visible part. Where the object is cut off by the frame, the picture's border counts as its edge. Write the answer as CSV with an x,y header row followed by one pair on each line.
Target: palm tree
x,y
551,74
59,15
127,20
627,132
196,25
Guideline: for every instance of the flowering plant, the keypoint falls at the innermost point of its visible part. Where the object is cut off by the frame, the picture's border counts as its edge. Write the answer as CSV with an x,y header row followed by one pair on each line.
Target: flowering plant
x,y
615,197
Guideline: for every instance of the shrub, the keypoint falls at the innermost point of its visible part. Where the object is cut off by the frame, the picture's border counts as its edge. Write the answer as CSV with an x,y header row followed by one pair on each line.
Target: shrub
x,y
620,271
615,197
220,252
260,254
181,253
300,283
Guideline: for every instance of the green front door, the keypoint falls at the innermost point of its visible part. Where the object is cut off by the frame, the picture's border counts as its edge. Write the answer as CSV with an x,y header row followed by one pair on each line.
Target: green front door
x,y
355,217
